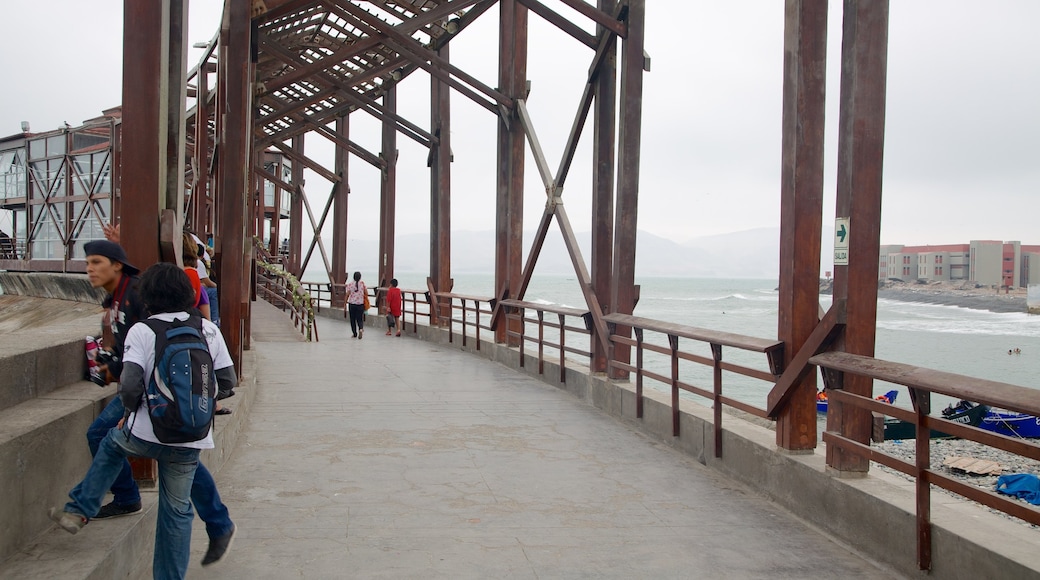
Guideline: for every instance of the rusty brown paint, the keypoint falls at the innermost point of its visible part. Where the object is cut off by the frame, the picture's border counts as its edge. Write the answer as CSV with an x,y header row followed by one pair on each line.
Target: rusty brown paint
x,y
861,130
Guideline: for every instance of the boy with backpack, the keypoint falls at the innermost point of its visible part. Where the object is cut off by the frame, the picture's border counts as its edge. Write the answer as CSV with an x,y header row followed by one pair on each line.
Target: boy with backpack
x,y
172,366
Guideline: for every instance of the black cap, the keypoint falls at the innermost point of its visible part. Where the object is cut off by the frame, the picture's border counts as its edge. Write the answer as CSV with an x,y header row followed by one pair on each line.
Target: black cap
x,y
112,251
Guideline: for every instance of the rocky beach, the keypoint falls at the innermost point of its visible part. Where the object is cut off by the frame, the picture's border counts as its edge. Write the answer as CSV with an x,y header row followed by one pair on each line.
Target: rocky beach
x,y
956,293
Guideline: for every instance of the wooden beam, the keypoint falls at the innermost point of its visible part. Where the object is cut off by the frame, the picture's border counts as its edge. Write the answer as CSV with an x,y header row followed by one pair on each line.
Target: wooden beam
x,y
822,336
307,162
599,17
560,22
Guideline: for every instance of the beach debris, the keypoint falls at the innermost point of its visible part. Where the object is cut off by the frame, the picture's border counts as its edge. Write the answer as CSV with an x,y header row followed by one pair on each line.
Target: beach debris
x,y
972,466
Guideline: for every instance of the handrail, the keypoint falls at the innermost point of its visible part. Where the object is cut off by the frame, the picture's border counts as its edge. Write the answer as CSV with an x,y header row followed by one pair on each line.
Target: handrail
x,y
281,290
517,310
922,383
771,348
451,320
409,305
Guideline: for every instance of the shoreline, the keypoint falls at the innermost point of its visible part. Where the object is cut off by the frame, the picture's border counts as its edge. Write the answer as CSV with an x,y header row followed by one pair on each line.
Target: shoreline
x,y
959,294
994,303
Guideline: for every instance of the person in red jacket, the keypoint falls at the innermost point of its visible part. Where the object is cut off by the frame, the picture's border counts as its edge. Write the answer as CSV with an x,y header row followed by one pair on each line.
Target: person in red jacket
x,y
393,308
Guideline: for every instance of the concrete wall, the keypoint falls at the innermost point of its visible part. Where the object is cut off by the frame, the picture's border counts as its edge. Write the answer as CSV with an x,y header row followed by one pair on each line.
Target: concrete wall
x,y
73,287
872,515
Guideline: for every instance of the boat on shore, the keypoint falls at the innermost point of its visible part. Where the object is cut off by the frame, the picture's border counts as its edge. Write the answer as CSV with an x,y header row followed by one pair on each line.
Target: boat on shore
x,y
963,412
1011,423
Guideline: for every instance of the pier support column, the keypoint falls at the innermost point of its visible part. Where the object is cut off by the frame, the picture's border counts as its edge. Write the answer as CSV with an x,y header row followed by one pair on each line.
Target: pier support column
x,y
625,294
388,193
509,214
440,187
340,210
235,168
801,206
154,95
295,265
861,140
602,260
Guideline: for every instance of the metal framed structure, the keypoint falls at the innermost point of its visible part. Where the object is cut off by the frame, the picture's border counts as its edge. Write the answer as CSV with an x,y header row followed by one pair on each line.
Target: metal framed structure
x,y
279,72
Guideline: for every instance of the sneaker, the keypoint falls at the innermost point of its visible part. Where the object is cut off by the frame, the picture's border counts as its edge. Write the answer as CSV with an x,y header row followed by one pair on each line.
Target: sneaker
x,y
68,521
111,510
219,547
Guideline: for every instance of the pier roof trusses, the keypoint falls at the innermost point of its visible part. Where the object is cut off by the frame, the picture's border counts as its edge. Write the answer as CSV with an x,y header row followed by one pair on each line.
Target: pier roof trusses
x,y
319,60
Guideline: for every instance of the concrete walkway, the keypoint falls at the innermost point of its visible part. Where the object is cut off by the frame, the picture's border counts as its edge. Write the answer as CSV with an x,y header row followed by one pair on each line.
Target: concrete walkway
x,y
396,458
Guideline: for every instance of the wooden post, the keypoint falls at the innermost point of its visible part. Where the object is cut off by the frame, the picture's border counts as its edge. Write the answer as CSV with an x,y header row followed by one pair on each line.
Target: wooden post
x,y
861,139
801,206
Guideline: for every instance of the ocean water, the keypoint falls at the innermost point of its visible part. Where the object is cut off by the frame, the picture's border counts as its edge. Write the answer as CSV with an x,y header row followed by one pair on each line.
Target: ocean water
x,y
948,338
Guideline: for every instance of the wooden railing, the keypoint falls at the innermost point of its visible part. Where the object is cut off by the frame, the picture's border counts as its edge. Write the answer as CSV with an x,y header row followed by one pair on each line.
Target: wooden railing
x,y
517,310
773,350
922,383
461,306
279,289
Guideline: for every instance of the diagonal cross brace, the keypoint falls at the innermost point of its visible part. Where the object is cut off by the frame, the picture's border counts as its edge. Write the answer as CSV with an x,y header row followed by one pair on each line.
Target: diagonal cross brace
x,y
830,325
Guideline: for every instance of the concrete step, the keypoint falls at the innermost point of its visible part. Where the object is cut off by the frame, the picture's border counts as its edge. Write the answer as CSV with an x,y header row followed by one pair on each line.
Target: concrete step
x,y
43,453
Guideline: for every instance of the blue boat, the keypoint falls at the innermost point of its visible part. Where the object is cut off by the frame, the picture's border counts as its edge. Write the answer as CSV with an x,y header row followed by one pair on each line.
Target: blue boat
x,y
1011,423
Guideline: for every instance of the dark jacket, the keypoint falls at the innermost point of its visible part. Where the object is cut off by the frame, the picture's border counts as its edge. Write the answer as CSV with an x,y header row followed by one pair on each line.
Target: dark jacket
x,y
124,308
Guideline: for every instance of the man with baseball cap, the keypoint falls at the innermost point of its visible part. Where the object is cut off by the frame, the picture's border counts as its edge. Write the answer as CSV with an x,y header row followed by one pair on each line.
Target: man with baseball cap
x,y
108,268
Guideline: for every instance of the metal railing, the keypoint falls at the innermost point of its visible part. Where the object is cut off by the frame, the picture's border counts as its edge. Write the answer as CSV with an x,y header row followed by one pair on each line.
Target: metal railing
x,y
716,340
516,310
922,383
281,291
465,305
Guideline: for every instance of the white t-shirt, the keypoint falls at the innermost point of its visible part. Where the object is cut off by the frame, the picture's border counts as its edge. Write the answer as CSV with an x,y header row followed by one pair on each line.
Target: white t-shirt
x,y
139,348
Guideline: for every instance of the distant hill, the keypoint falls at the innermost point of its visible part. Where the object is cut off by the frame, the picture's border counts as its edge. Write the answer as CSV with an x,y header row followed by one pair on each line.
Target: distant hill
x,y
748,254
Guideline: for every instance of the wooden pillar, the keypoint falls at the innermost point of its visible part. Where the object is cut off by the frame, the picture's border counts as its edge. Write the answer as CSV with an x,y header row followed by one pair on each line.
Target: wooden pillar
x,y
152,142
233,274
296,213
440,185
603,168
861,139
624,293
340,207
200,189
801,205
509,238
388,191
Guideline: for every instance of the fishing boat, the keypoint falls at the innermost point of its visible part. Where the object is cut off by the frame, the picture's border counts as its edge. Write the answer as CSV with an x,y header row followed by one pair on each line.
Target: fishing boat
x,y
821,399
1011,423
963,412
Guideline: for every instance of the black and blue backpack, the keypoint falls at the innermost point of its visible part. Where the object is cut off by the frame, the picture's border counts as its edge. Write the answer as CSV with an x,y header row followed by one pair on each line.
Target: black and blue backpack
x,y
182,390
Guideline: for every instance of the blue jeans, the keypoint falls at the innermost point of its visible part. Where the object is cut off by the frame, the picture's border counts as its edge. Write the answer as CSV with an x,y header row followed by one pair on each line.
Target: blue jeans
x,y
214,305
125,491
176,471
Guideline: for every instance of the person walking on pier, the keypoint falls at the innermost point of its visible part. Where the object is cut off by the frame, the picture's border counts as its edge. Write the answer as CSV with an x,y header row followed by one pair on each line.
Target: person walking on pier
x,y
356,297
108,268
166,290
393,308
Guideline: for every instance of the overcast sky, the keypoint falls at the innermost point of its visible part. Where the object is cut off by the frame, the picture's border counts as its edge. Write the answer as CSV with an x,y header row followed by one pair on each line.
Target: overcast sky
x,y
962,152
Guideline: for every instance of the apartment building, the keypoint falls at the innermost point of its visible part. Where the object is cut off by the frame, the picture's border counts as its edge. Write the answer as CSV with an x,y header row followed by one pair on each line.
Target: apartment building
x,y
987,262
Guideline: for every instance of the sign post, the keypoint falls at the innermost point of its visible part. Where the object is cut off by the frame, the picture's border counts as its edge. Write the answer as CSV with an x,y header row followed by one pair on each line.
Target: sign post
x,y
841,241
